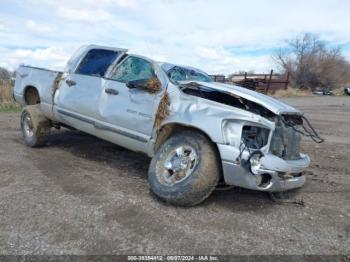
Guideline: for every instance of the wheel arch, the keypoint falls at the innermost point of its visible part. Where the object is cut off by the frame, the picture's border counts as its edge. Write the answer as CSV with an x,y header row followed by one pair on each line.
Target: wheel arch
x,y
31,95
166,130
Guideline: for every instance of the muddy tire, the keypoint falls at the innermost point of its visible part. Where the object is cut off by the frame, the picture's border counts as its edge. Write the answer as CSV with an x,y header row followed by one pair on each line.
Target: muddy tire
x,y
35,126
185,170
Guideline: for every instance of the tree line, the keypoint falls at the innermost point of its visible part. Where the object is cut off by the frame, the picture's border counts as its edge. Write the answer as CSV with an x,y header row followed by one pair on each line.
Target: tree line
x,y
5,74
313,63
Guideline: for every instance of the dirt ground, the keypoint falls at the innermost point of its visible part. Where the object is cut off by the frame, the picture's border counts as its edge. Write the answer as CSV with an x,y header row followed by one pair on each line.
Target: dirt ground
x,y
81,195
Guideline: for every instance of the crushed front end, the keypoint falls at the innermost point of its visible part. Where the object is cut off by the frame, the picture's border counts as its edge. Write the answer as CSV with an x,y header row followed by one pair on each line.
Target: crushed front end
x,y
260,137
264,154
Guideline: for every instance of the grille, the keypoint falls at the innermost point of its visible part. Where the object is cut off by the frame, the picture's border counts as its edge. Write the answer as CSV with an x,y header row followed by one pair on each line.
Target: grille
x,y
285,143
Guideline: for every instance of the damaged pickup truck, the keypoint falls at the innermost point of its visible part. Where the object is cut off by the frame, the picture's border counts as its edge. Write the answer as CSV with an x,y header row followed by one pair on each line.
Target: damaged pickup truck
x,y
198,133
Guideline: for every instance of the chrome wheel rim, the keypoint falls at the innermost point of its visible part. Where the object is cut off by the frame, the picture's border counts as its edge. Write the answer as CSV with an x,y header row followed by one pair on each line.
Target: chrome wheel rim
x,y
28,126
178,165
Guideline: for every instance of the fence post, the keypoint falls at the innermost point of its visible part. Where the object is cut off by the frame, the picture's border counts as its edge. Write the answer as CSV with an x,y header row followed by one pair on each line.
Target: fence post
x,y
268,83
287,81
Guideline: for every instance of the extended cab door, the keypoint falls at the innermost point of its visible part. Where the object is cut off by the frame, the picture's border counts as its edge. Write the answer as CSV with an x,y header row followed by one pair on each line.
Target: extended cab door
x,y
78,95
130,112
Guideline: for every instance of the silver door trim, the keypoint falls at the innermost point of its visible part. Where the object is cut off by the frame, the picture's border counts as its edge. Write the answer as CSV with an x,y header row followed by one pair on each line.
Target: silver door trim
x,y
103,126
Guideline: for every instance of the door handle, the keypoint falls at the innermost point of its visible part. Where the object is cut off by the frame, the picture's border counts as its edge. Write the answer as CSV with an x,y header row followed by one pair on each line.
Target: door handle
x,y
111,91
71,82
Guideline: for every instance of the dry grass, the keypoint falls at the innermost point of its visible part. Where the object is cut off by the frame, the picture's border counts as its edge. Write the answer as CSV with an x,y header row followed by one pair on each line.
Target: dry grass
x,y
291,92
7,104
339,91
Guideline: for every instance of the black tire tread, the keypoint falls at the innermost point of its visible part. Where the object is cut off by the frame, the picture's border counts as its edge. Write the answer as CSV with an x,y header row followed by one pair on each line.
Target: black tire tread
x,y
41,126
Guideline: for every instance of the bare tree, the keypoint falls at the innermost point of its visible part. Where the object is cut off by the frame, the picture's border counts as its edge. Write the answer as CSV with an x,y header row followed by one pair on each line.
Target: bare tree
x,y
312,63
5,74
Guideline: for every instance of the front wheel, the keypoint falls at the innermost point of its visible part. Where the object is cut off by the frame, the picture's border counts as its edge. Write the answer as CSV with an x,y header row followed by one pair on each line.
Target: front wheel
x,y
185,170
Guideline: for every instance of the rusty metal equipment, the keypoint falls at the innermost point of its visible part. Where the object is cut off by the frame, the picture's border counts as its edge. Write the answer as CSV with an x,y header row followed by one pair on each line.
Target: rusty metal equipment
x,y
264,83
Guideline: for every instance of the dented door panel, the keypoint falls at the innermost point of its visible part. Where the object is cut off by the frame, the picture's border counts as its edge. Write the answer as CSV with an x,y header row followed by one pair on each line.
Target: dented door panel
x,y
132,109
77,93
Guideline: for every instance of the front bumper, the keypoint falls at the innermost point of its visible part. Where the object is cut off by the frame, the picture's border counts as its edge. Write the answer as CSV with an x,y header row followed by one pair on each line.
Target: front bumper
x,y
275,167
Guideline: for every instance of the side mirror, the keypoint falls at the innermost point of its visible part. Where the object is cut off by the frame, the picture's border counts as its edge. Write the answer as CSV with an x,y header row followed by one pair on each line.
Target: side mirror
x,y
151,85
140,83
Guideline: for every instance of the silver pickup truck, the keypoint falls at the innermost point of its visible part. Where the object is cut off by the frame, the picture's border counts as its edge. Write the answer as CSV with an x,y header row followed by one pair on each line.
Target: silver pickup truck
x,y
198,133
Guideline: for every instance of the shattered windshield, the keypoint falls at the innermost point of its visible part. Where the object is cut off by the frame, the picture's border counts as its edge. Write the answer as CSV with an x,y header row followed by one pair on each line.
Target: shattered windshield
x,y
178,73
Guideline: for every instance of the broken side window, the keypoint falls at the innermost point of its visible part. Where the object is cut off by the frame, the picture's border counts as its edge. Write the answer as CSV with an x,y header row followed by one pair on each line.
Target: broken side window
x,y
96,62
133,68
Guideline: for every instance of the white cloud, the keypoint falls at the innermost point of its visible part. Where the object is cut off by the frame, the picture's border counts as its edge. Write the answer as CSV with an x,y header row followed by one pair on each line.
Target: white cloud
x,y
38,27
84,15
208,53
120,3
217,36
52,57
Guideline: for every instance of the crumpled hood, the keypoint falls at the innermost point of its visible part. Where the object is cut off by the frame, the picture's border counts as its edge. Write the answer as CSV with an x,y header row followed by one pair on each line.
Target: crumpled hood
x,y
268,102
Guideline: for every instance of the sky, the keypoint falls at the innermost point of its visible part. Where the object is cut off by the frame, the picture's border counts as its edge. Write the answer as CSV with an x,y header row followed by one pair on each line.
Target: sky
x,y
222,36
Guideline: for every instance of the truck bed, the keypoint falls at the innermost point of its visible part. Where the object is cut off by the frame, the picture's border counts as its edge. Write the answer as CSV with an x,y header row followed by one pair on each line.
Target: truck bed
x,y
39,78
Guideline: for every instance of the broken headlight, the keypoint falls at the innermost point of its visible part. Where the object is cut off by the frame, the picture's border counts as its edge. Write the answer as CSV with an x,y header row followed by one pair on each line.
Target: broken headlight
x,y
255,137
255,162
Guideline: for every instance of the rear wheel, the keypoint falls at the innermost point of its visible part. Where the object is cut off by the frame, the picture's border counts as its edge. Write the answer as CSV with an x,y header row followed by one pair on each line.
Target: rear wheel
x,y
35,126
185,169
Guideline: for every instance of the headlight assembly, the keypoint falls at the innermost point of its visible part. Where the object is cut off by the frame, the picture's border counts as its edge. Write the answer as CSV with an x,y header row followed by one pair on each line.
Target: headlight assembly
x,y
255,162
262,180
253,135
